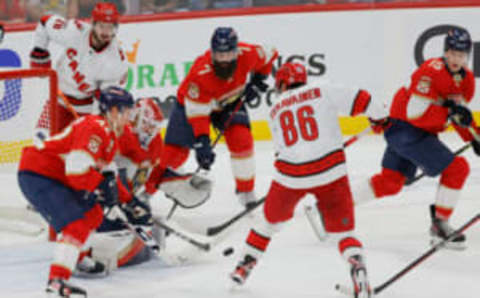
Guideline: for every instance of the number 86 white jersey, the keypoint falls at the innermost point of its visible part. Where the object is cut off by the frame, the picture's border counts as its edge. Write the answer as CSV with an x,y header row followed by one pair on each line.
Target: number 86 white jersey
x,y
306,134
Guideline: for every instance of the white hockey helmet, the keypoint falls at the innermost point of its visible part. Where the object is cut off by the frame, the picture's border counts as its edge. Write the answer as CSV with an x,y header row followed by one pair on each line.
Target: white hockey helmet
x,y
147,119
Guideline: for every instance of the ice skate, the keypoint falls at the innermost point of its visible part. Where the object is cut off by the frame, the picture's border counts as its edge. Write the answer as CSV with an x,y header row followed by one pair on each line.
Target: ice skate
x,y
441,230
247,199
90,268
358,272
243,269
61,288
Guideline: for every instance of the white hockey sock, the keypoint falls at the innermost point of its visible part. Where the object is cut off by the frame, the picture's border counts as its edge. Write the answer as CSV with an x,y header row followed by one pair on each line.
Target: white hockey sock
x,y
445,201
65,255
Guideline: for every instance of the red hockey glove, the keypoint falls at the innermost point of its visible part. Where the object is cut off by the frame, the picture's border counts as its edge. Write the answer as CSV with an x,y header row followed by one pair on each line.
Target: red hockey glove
x,y
379,125
40,58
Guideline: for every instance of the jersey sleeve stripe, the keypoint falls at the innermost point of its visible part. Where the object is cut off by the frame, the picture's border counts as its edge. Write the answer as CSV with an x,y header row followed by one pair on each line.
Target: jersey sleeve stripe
x,y
361,103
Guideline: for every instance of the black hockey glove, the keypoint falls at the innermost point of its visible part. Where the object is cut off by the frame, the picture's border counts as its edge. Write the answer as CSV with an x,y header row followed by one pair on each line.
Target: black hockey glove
x,y
138,212
108,190
203,152
255,87
459,114
40,58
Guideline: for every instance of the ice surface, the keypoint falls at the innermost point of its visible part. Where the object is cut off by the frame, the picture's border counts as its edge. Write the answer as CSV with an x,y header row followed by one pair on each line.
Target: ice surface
x,y
394,232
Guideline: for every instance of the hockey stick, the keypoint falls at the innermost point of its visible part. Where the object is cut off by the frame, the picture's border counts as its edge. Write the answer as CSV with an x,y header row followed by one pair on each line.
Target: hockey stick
x,y
212,231
201,245
420,176
219,228
427,254
456,153
419,260
116,213
213,144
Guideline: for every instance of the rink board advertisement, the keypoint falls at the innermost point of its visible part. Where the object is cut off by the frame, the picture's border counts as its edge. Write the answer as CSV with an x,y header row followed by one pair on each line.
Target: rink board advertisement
x,y
373,49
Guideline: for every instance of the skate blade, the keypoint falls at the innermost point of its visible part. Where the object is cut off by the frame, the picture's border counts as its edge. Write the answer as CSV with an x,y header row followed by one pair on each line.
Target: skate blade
x,y
448,245
347,291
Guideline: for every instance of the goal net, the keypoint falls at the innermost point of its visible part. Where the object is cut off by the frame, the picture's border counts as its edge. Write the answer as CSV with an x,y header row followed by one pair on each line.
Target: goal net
x,y
27,99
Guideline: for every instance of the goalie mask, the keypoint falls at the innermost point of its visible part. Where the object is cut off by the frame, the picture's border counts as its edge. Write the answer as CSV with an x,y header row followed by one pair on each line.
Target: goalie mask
x,y
146,120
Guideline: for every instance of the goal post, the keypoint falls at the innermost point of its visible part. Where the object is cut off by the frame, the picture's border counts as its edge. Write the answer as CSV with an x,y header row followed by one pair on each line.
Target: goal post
x,y
24,95
28,102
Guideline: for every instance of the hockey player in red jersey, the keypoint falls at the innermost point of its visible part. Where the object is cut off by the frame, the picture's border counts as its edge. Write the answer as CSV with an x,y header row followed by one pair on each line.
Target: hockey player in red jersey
x,y
59,176
90,60
212,94
141,145
310,160
439,91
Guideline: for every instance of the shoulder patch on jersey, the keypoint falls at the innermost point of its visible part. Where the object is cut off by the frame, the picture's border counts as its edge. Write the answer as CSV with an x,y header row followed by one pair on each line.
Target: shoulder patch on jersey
x,y
193,91
424,84
436,64
94,143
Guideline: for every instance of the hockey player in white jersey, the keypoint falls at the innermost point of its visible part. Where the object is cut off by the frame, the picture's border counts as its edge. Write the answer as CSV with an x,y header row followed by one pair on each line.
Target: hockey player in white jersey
x,y
310,160
90,59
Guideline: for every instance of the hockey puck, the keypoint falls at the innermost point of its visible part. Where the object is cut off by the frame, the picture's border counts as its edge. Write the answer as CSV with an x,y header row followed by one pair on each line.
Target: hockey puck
x,y
228,251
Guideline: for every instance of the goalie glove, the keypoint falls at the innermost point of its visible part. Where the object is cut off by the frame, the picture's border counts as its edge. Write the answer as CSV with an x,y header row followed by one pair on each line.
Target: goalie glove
x,y
40,58
187,190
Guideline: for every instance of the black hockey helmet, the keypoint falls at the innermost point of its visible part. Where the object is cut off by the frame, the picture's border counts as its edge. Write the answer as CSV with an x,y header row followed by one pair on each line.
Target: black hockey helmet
x,y
458,39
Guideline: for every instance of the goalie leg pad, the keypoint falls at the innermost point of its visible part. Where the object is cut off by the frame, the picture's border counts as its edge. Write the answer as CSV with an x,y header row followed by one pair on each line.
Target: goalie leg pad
x,y
240,144
187,190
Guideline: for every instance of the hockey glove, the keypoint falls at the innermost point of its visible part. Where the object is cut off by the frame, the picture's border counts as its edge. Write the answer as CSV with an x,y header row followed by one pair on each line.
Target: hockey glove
x,y
459,114
203,152
379,125
108,190
138,212
40,58
255,87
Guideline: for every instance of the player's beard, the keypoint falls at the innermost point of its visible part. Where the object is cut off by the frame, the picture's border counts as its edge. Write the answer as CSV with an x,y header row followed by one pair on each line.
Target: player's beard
x,y
101,42
224,70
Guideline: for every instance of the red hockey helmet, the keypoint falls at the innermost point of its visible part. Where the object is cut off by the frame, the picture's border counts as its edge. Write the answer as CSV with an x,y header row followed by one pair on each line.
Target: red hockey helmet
x,y
105,12
290,73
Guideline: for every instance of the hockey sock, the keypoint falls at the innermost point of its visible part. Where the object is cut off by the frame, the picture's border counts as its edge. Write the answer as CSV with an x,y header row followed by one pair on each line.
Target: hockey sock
x,y
240,144
451,183
67,249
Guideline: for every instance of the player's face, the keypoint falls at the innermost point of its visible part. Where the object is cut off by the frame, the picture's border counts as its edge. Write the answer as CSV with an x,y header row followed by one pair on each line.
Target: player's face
x,y
119,118
224,63
104,32
456,60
